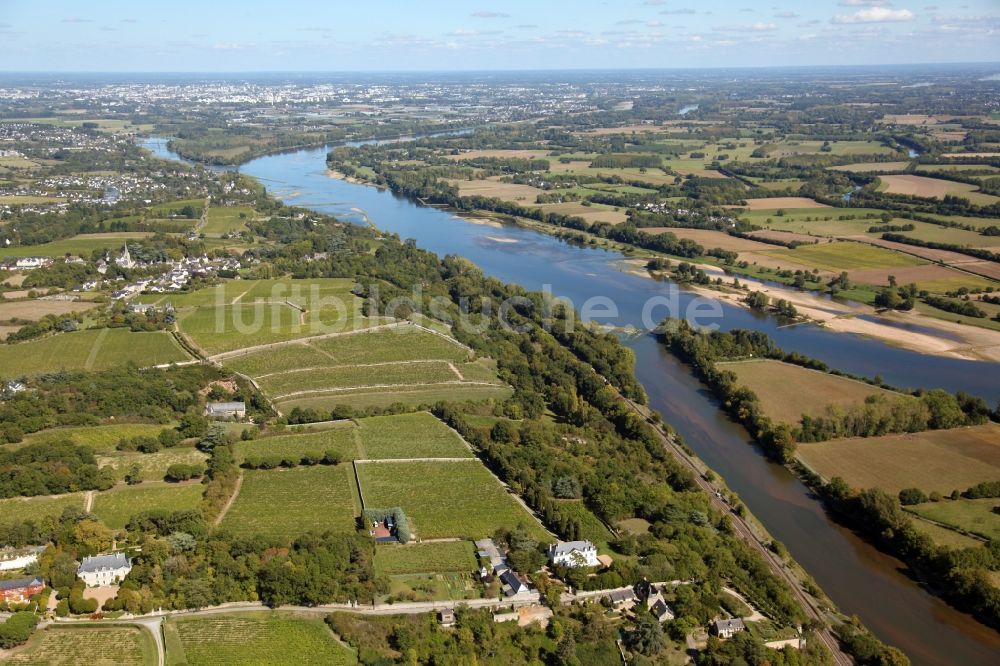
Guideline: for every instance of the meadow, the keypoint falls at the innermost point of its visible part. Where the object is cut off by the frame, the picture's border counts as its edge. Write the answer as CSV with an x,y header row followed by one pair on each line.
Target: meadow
x,y
845,256
225,220
93,646
943,536
974,516
253,639
100,438
153,465
287,503
95,349
787,391
116,506
445,499
936,460
17,509
412,558
418,435
35,309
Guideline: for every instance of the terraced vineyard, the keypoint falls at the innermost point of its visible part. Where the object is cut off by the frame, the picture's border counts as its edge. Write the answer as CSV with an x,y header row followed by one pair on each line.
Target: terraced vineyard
x,y
419,435
253,639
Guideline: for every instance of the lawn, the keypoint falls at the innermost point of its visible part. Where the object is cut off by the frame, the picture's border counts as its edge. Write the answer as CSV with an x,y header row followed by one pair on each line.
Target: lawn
x,y
845,256
153,465
17,509
787,391
942,536
96,349
253,639
341,440
288,503
396,559
93,646
418,435
974,516
936,460
445,499
116,506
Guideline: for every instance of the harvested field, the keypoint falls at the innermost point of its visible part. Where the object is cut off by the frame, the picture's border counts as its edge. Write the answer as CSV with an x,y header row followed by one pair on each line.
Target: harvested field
x,y
936,460
787,391
959,155
922,186
524,194
845,256
290,502
981,267
781,202
711,239
519,154
787,236
36,309
254,639
445,499
592,213
871,167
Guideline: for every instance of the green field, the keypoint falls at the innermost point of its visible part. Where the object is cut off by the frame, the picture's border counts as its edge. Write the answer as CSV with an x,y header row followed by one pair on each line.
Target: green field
x,y
116,506
100,438
942,536
82,245
445,499
17,509
93,646
342,440
97,349
356,376
418,435
972,516
397,559
288,503
253,639
845,256
219,221
405,343
153,465
788,391
279,359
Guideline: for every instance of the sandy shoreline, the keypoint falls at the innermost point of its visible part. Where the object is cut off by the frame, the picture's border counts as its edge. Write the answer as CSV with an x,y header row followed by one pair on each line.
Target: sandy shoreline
x,y
972,343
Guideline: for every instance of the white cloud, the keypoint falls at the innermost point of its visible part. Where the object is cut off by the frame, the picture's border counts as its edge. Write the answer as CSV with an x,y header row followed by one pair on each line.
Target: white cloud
x,y
488,14
876,15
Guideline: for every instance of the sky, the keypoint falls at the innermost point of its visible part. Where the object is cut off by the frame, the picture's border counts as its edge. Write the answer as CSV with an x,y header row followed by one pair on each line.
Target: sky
x,y
398,35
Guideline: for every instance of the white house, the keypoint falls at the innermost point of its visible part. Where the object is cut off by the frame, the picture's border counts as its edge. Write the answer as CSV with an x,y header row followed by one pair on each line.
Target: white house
x,y
513,583
18,558
30,263
574,554
728,628
104,569
226,410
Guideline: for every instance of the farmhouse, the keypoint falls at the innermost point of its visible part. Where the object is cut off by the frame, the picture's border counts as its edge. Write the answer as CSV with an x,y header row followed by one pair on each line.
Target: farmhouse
x,y
18,558
104,569
514,583
728,628
20,590
226,410
574,554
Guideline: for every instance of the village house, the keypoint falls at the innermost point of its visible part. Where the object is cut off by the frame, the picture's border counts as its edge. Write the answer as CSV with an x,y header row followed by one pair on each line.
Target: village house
x,y
652,597
727,628
18,558
574,554
384,531
104,569
20,590
514,583
486,549
226,410
31,263
446,617
622,599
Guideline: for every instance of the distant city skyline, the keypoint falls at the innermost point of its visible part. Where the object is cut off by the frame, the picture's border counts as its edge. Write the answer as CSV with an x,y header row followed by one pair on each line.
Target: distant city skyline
x,y
387,35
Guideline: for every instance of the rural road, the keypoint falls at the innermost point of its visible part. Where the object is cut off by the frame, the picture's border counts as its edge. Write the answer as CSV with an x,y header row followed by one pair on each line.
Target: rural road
x,y
743,530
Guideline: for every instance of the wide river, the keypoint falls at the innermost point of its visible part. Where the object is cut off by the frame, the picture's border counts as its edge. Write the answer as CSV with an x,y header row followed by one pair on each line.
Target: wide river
x,y
859,578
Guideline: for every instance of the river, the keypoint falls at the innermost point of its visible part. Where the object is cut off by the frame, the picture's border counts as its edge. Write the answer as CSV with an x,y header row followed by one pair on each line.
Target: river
x,y
859,578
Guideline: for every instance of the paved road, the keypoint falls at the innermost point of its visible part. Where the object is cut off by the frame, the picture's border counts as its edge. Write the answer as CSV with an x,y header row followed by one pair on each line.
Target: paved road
x,y
743,530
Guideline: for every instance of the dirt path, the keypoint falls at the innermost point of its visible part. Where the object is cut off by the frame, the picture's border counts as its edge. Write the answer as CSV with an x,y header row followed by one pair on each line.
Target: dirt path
x,y
88,501
455,370
361,365
298,341
229,502
341,389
